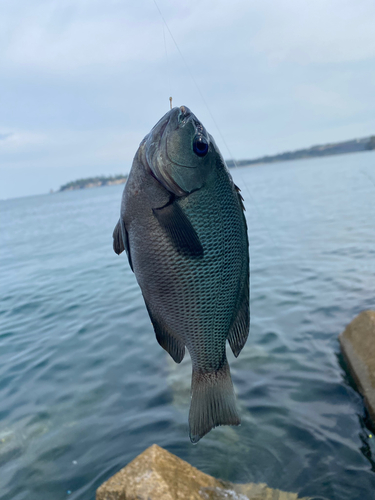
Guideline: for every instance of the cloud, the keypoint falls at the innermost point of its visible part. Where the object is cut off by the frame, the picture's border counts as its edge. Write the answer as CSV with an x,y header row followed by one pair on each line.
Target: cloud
x,y
84,80
57,149
71,37
64,37
319,32
5,136
324,101
20,141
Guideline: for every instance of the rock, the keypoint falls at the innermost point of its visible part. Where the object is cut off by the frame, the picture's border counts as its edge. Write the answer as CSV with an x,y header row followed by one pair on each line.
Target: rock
x,y
157,474
358,347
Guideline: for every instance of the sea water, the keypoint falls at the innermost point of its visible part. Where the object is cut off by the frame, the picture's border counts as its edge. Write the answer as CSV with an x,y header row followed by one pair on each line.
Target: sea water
x,y
85,387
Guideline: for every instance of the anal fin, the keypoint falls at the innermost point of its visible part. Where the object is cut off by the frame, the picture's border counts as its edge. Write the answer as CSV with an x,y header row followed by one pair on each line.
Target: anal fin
x,y
168,341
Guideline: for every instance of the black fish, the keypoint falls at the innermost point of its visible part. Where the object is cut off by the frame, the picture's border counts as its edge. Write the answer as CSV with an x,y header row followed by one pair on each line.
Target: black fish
x,y
184,231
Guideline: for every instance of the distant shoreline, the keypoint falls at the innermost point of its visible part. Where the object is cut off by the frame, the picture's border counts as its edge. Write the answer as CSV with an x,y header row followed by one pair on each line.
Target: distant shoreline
x,y
337,148
92,182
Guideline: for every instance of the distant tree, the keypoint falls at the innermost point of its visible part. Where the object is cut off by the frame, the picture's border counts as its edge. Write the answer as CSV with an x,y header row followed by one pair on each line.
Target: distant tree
x,y
99,181
371,143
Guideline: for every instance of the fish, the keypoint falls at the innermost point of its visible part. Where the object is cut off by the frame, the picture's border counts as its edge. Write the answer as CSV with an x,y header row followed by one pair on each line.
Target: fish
x,y
183,228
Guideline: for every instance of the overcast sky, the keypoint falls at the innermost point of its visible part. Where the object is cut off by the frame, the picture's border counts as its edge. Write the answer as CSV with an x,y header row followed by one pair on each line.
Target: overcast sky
x,y
83,81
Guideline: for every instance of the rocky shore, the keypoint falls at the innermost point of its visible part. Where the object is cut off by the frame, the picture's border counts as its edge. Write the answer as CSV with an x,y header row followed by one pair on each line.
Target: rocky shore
x,y
157,474
358,347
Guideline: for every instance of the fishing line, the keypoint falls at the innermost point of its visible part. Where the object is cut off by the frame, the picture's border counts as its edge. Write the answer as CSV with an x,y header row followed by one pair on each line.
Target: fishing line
x,y
215,123
168,73
261,218
202,97
194,81
368,176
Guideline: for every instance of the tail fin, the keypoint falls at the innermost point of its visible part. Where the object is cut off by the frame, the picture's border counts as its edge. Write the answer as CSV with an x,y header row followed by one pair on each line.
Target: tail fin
x,y
212,402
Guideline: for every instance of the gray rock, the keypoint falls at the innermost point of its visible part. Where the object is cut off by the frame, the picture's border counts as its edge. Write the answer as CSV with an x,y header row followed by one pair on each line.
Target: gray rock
x,y
157,474
358,347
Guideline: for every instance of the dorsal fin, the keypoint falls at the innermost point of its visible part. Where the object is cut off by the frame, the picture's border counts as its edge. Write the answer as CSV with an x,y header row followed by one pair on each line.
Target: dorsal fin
x,y
240,197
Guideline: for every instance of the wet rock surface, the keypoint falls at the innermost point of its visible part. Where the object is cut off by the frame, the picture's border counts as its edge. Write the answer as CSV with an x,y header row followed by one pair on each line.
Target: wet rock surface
x,y
358,346
157,474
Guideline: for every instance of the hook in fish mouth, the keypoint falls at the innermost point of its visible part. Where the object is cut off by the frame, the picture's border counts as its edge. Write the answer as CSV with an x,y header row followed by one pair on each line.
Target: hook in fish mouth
x,y
174,151
184,115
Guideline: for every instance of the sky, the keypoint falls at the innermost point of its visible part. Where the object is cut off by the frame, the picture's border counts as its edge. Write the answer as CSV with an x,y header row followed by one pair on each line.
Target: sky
x,y
83,81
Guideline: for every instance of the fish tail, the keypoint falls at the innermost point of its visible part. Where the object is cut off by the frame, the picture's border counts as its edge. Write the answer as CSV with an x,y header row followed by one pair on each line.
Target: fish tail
x,y
212,402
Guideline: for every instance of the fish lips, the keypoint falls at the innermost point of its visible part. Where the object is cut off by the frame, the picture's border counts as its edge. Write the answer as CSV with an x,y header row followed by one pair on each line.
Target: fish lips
x,y
167,147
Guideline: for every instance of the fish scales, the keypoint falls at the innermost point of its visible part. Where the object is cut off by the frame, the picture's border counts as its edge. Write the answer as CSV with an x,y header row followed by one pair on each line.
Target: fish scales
x,y
186,240
216,282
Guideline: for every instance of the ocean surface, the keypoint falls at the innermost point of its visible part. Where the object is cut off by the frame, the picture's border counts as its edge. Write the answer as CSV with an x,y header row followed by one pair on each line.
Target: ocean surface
x,y
85,387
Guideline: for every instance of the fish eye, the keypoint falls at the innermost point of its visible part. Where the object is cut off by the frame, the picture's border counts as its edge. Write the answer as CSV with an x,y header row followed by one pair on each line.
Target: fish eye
x,y
200,145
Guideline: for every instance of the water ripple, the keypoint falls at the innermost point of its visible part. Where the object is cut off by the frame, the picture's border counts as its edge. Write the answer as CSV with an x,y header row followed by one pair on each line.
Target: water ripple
x,y
84,386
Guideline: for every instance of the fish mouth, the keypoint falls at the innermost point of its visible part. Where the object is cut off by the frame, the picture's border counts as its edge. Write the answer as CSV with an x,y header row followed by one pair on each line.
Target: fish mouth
x,y
154,138
159,128
162,129
162,153
183,116
155,152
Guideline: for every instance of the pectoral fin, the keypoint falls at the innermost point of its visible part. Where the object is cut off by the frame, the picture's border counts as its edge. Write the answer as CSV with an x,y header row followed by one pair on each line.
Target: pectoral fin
x,y
121,240
179,229
118,244
174,346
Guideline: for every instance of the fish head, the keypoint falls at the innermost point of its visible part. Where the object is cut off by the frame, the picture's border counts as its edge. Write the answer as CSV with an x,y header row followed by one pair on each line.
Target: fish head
x,y
179,151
